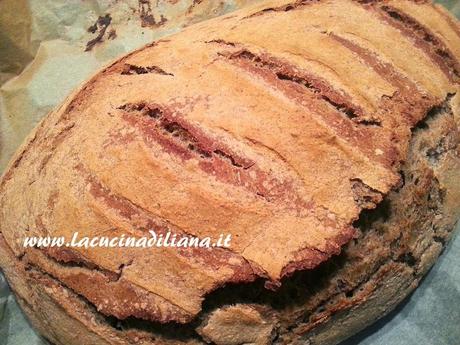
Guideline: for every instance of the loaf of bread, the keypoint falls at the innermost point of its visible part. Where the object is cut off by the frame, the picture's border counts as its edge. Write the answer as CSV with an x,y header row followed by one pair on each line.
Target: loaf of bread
x,y
321,135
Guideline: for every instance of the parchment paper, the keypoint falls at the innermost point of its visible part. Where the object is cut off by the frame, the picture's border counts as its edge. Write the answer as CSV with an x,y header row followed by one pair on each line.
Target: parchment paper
x,y
48,47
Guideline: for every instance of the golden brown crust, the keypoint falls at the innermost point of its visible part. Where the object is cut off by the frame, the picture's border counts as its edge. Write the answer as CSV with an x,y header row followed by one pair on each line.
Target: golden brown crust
x,y
229,127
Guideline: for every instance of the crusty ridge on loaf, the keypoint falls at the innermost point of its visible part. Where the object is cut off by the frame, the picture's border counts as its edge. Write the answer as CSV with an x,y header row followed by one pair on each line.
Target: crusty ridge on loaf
x,y
287,139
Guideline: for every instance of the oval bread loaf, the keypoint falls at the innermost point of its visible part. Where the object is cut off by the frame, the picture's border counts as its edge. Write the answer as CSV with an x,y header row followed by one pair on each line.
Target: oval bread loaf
x,y
321,135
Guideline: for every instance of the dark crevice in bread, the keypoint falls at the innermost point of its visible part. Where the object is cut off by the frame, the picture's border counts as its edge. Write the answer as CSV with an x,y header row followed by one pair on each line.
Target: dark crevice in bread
x,y
133,69
425,39
407,258
188,137
365,196
221,41
123,327
168,127
151,110
68,257
424,33
318,87
409,100
110,292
